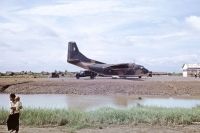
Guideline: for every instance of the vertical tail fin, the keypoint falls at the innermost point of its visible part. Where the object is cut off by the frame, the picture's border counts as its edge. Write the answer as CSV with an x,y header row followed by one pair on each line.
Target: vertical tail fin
x,y
76,57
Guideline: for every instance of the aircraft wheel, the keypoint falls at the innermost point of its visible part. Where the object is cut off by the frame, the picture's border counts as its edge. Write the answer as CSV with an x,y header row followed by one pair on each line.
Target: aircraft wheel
x,y
140,77
91,77
77,76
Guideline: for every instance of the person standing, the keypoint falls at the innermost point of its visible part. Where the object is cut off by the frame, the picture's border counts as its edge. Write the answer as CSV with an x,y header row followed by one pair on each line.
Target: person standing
x,y
13,118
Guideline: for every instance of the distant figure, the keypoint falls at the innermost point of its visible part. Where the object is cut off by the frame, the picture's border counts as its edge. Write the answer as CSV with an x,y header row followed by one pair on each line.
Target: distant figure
x,y
195,75
140,98
13,118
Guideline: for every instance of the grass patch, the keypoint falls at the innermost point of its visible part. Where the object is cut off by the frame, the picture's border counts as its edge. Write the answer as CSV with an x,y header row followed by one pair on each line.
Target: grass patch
x,y
105,116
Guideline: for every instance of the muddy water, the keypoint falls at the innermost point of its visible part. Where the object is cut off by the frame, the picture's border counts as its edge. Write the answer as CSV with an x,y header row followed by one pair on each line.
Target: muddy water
x,y
94,102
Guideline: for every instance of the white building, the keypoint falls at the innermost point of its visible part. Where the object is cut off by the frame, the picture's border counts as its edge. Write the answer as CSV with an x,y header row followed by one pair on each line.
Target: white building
x,y
189,70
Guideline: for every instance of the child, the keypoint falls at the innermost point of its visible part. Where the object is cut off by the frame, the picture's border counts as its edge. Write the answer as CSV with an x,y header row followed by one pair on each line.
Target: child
x,y
18,104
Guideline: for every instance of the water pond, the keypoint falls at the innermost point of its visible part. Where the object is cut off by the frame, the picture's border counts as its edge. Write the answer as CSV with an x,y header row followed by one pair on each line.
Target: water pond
x,y
87,103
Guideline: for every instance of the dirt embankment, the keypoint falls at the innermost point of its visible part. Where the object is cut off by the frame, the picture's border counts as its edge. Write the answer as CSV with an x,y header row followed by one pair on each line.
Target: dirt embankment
x,y
8,82
161,86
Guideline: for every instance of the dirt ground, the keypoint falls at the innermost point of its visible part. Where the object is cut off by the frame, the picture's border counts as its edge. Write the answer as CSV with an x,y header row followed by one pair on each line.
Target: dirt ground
x,y
155,86
112,129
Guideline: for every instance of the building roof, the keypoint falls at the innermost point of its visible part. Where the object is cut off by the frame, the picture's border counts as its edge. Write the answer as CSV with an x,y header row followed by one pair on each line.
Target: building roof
x,y
191,66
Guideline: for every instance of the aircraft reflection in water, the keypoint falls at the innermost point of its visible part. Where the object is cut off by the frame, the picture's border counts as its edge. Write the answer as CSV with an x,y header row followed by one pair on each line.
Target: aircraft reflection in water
x,y
95,102
94,68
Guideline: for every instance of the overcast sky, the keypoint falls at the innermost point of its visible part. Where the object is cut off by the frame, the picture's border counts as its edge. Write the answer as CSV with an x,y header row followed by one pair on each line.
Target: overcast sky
x,y
162,35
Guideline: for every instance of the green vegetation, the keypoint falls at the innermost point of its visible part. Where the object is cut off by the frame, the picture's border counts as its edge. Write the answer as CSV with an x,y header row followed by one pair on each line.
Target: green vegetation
x,y
105,116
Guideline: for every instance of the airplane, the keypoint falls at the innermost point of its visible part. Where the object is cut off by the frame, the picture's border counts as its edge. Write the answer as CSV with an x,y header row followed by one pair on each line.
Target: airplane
x,y
124,70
